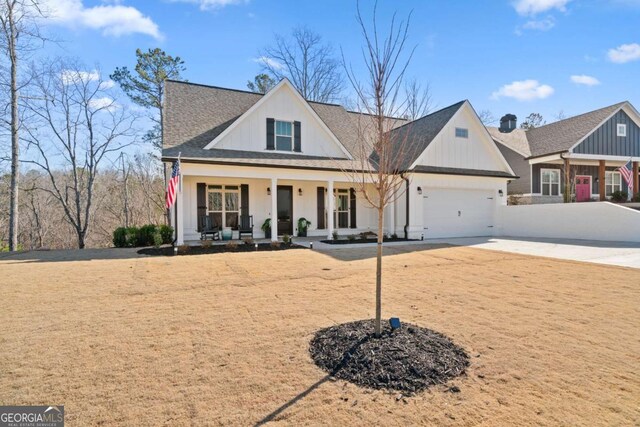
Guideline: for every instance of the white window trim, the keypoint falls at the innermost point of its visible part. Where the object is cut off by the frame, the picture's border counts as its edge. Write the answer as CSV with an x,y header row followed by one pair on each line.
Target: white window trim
x,y
293,137
223,190
612,185
455,132
623,127
542,170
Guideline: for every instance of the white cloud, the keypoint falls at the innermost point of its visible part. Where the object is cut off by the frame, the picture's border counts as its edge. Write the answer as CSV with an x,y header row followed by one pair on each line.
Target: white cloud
x,y
212,4
107,84
624,53
269,62
73,76
540,25
585,80
533,7
524,90
103,103
113,19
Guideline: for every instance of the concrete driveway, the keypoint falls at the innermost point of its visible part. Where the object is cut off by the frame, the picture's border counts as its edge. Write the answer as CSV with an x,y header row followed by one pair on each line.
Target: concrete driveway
x,y
612,253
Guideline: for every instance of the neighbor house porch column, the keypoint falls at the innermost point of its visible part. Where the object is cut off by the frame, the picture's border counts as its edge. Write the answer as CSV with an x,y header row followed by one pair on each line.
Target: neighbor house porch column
x,y
636,178
567,180
274,209
330,209
601,181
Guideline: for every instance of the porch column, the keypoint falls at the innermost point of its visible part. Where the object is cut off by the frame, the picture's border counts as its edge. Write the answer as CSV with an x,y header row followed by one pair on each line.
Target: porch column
x,y
330,209
636,178
274,209
392,216
567,181
601,174
179,205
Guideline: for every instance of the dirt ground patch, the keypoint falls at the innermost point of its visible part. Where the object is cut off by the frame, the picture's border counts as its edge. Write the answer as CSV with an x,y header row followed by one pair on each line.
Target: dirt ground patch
x,y
223,339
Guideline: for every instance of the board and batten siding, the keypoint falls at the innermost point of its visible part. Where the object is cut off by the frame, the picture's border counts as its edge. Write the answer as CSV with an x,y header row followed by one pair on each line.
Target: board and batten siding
x,y
520,167
250,133
605,141
575,170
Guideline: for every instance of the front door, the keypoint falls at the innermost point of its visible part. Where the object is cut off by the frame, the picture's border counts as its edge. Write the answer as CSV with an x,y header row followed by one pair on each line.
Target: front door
x,y
285,210
583,188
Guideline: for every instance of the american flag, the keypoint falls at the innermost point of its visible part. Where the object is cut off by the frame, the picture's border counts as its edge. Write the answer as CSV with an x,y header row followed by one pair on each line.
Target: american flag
x,y
172,187
626,173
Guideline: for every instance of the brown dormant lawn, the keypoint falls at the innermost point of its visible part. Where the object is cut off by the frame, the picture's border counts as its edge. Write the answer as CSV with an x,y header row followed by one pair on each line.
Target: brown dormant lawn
x,y
223,339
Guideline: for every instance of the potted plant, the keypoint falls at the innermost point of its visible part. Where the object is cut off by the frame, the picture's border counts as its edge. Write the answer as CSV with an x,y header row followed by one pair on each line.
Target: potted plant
x,y
227,233
266,227
303,225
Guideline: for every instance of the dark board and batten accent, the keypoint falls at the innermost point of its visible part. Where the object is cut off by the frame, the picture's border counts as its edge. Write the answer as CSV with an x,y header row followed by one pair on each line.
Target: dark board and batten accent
x,y
201,200
605,141
271,139
320,210
297,137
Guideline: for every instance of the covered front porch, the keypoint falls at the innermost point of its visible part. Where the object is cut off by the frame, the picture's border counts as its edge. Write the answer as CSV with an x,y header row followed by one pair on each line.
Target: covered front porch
x,y
271,200
587,178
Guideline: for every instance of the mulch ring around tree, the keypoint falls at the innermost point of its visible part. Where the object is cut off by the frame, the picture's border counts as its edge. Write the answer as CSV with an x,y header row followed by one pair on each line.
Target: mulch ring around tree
x,y
409,360
219,248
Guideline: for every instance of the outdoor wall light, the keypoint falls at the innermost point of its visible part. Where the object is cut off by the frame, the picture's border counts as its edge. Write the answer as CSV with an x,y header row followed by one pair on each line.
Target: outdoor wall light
x,y
268,191
500,193
419,190
299,191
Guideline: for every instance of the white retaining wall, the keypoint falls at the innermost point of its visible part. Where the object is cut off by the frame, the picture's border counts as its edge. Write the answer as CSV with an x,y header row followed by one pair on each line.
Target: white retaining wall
x,y
590,221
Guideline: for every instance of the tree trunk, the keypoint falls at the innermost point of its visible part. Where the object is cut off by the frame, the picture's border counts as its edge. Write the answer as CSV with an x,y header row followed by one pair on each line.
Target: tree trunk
x,y
15,147
378,326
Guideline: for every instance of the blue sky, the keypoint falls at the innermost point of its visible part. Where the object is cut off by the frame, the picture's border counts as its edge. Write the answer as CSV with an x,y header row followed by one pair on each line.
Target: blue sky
x,y
504,56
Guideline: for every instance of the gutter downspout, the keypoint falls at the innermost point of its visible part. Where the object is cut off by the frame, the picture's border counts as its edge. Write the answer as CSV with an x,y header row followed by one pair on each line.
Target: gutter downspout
x,y
406,221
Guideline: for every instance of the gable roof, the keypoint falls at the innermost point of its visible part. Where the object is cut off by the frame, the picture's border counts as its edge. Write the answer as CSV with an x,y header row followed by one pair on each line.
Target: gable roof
x,y
564,134
422,132
556,137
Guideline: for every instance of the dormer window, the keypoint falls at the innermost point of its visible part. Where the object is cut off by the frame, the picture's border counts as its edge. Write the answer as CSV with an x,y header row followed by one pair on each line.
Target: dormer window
x,y
284,136
621,129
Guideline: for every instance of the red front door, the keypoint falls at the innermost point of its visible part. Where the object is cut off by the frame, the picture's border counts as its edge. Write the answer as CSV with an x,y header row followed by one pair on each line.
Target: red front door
x,y
583,188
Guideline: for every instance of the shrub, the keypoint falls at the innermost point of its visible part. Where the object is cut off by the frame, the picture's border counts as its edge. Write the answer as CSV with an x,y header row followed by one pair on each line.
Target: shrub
x,y
394,236
636,198
286,239
231,245
131,237
619,196
335,235
248,241
145,235
120,237
275,245
157,238
206,243
167,233
351,237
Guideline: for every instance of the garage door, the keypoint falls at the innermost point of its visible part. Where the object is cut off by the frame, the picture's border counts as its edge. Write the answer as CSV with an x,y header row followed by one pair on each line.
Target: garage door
x,y
457,213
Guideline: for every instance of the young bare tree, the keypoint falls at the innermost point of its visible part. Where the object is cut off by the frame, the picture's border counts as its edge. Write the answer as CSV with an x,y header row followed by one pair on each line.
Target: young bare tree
x,y
18,32
78,124
307,62
487,118
418,99
382,147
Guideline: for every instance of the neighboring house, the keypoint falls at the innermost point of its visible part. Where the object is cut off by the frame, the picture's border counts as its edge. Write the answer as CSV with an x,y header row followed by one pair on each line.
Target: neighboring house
x,y
582,153
281,157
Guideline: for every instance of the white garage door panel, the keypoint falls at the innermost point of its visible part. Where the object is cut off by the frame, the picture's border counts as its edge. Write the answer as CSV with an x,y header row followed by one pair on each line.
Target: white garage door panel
x,y
457,213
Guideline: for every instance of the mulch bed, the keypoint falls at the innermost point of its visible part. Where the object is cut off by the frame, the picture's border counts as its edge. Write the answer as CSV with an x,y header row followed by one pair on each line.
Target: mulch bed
x,y
217,249
408,360
358,240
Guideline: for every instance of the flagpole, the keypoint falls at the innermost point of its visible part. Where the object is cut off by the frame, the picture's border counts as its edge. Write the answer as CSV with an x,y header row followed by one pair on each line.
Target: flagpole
x,y
175,205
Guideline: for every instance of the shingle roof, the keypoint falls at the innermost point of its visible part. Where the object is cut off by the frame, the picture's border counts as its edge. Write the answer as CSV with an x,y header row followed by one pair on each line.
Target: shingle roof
x,y
421,132
555,137
462,171
563,134
515,140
